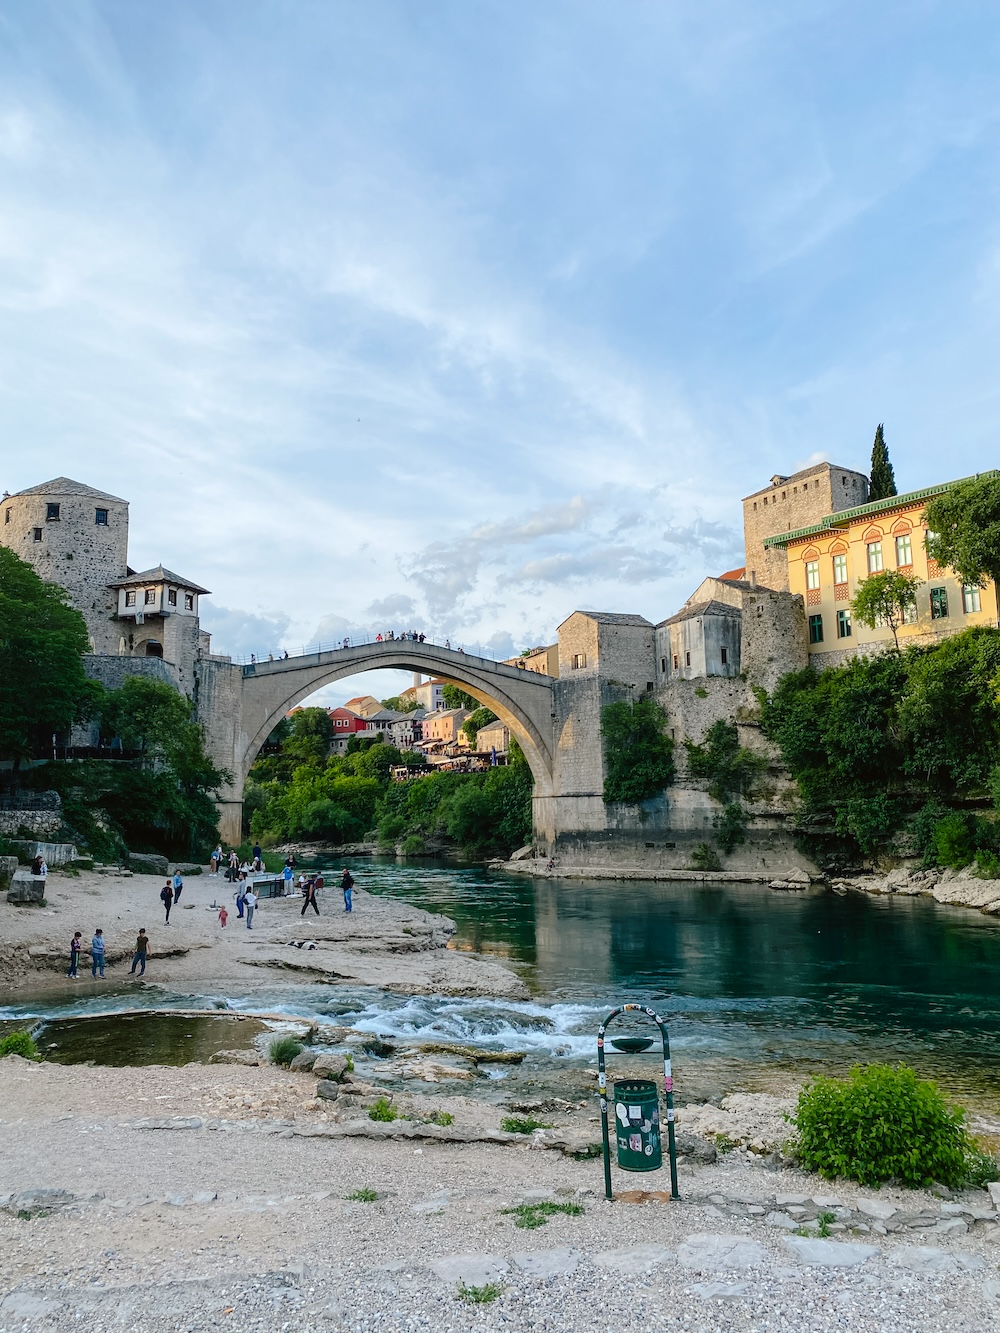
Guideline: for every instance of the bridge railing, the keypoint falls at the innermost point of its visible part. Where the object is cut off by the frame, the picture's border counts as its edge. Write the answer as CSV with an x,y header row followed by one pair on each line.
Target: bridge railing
x,y
357,641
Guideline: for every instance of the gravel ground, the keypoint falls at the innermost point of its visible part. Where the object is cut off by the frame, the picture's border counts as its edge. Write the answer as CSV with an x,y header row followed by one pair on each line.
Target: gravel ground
x,y
246,1229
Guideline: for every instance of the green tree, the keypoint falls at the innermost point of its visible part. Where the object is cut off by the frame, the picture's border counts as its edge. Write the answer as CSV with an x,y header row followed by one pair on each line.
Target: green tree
x,y
882,483
43,688
638,754
311,735
454,697
482,717
883,600
964,529
731,770
397,704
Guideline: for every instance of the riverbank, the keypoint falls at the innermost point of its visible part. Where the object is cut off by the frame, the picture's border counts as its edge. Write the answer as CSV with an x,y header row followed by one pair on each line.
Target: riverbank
x,y
383,942
182,1198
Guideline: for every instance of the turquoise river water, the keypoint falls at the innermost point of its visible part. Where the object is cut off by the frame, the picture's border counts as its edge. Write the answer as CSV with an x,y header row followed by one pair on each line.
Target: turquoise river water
x,y
759,987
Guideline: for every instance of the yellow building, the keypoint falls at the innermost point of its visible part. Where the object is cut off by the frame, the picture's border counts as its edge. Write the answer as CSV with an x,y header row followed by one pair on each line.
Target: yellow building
x,y
543,660
828,560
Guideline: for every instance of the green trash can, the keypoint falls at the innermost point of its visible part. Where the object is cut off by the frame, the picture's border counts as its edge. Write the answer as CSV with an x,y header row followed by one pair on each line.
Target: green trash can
x,y
637,1125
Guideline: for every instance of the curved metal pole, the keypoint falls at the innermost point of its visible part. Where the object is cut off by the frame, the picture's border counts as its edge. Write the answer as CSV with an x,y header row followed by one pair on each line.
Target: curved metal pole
x,y
668,1091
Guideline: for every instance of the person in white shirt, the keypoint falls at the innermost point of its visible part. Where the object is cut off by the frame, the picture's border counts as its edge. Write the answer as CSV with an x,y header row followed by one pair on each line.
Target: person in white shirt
x,y
251,903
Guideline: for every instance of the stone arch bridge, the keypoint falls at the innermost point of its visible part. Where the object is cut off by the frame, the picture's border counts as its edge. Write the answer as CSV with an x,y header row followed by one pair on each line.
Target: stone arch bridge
x,y
240,707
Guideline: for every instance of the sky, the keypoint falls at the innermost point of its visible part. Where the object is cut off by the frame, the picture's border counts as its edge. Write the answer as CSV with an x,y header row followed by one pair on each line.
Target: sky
x,y
461,316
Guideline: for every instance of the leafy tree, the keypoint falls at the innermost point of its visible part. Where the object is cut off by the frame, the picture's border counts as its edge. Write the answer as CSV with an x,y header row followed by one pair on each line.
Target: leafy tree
x,y
482,717
964,524
638,754
397,704
43,688
882,483
454,697
312,733
883,600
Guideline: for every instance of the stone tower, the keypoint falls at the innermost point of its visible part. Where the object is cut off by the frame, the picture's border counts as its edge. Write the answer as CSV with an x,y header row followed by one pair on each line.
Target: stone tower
x,y
790,503
75,536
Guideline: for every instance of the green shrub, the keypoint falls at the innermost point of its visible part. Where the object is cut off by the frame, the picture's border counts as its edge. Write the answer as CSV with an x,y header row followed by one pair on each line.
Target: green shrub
x,y
522,1124
954,840
882,1123
987,864
19,1043
440,1118
639,755
413,845
383,1111
283,1050
364,1196
731,826
705,857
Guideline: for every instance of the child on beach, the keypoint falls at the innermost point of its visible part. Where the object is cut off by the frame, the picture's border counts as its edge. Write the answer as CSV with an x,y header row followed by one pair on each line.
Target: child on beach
x,y
223,917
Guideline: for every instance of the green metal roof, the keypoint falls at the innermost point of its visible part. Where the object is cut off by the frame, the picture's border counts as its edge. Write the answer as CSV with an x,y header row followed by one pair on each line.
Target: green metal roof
x,y
845,516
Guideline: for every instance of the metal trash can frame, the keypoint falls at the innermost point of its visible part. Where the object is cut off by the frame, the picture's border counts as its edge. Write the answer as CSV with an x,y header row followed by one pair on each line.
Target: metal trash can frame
x,y
648,1099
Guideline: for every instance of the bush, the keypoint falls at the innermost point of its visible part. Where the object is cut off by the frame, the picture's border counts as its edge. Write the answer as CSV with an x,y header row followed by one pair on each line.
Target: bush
x,y
283,1050
882,1123
987,865
705,857
19,1043
384,1111
639,755
731,826
954,840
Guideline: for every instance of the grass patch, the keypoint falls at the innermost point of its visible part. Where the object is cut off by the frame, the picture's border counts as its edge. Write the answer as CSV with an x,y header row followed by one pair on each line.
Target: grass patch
x,y
283,1050
364,1196
522,1124
440,1118
530,1216
724,1144
384,1111
823,1223
483,1295
20,1043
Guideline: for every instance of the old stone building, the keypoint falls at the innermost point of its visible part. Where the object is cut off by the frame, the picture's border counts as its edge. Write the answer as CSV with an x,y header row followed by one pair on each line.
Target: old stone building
x,y
138,623
794,502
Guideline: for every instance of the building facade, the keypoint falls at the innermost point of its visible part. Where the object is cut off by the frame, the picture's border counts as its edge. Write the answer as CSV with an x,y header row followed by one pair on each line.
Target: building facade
x,y
828,560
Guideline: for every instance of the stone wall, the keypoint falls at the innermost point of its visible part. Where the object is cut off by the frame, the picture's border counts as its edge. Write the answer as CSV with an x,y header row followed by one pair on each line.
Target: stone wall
x,y
775,639
219,708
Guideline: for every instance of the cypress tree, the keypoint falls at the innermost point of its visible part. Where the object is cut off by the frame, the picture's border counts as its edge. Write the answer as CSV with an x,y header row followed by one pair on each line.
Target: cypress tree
x,y
883,479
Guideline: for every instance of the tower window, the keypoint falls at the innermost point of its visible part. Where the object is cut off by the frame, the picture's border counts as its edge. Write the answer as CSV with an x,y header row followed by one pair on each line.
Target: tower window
x,y
101,517
171,596
37,534
52,513
150,596
725,656
189,606
6,517
687,659
663,666
130,598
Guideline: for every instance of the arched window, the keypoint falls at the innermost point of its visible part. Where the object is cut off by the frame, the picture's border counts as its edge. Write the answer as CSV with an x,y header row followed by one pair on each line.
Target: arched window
x,y
154,649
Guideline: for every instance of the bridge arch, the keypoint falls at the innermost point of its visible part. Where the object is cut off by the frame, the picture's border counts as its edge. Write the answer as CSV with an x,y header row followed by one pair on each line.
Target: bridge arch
x,y
521,699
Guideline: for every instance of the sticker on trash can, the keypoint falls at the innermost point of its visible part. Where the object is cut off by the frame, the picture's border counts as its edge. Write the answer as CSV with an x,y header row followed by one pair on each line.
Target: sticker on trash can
x,y
635,1112
635,1142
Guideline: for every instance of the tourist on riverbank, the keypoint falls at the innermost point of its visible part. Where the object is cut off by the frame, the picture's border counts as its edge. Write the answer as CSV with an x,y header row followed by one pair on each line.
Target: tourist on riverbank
x,y
288,888
167,899
241,895
347,884
223,916
251,903
216,859
38,867
75,945
97,953
258,855
178,886
309,898
141,950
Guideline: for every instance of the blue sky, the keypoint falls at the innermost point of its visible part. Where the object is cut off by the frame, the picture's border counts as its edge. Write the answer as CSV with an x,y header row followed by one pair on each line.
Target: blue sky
x,y
462,315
